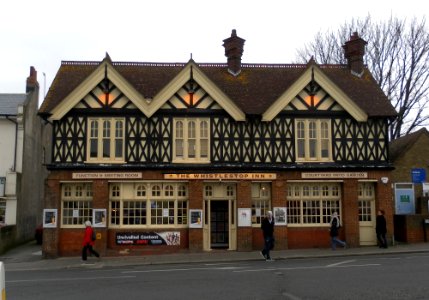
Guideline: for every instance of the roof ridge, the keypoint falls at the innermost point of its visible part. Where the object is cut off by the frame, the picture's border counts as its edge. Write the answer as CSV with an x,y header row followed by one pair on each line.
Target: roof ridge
x,y
177,64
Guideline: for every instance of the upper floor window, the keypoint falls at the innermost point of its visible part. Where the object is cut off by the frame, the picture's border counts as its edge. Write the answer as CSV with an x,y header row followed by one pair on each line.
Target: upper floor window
x,y
313,140
106,139
191,140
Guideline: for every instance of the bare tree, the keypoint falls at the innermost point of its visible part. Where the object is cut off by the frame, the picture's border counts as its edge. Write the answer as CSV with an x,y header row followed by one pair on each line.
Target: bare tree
x,y
397,54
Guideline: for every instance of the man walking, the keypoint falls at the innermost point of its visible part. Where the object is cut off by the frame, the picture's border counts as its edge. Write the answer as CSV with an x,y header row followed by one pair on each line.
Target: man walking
x,y
267,226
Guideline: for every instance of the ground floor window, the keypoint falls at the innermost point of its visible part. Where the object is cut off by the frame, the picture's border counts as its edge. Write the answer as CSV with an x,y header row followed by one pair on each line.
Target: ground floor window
x,y
148,204
76,204
2,212
312,203
261,202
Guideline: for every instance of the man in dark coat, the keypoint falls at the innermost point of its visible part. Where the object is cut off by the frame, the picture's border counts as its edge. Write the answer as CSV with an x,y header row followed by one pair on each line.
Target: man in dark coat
x,y
267,226
381,229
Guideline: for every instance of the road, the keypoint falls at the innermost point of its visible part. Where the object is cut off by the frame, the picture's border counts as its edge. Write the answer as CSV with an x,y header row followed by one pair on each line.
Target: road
x,y
400,276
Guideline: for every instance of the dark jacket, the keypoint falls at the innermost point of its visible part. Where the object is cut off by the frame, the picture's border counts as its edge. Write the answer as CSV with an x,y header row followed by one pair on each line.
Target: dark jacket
x,y
267,228
335,225
380,225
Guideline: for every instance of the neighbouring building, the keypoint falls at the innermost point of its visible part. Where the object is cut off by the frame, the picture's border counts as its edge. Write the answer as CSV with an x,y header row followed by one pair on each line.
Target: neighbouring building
x,y
166,157
21,170
410,154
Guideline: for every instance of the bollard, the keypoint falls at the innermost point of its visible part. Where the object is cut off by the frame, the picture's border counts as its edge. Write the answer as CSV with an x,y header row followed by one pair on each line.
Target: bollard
x,y
2,284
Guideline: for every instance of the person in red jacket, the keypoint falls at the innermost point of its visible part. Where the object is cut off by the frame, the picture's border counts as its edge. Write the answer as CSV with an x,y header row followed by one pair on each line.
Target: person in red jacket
x,y
88,242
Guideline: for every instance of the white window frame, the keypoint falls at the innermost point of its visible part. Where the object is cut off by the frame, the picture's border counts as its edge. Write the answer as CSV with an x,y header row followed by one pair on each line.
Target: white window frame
x,y
79,195
261,202
113,136
156,193
313,137
324,198
188,131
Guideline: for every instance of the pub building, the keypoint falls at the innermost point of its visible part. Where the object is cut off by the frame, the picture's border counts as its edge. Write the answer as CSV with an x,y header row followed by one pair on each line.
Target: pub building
x,y
170,157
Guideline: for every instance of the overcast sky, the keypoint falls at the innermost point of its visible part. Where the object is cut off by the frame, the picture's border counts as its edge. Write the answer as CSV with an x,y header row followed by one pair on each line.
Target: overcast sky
x,y
45,32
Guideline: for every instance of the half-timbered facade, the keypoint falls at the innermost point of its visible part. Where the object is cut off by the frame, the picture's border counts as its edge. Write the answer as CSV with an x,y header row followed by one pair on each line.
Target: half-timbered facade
x,y
170,156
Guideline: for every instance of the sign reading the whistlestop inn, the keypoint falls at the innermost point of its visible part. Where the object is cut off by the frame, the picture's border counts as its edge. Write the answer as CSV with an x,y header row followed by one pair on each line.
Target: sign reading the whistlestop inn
x,y
226,176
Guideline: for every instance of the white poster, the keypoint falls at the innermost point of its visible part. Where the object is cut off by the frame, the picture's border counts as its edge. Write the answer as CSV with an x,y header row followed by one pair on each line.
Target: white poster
x,y
244,217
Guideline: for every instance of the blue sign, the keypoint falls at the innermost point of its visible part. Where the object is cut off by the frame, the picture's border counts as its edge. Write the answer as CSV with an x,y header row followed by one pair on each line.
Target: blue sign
x,y
418,175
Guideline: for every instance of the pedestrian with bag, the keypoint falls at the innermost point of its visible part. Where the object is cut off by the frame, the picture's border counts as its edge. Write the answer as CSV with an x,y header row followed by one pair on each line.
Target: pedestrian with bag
x,y
267,226
88,242
334,232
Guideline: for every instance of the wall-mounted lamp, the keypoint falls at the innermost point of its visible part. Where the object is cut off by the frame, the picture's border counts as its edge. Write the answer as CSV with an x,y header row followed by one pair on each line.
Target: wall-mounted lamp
x,y
384,180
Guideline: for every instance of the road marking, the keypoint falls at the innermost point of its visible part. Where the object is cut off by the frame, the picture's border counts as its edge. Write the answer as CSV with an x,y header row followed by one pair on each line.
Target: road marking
x,y
340,263
182,269
68,279
305,268
290,296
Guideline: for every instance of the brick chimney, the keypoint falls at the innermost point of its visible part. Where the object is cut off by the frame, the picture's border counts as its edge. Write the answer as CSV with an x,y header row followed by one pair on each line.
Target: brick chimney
x,y
31,80
354,50
234,51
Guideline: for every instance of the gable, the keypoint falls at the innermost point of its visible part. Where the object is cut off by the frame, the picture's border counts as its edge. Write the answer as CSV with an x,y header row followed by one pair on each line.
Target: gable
x,y
190,88
314,91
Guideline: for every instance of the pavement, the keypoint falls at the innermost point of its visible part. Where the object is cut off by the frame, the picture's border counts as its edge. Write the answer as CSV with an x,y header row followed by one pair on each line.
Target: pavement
x,y
29,257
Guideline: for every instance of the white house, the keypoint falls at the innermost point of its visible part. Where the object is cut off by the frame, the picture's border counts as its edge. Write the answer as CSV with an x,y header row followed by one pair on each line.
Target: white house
x,y
21,164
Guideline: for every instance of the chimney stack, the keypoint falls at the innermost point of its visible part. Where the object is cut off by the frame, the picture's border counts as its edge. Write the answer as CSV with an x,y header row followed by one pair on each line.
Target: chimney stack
x,y
233,51
31,80
354,50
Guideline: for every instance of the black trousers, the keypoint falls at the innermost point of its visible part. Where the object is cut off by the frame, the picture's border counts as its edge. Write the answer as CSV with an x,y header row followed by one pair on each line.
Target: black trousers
x,y
381,237
268,245
85,250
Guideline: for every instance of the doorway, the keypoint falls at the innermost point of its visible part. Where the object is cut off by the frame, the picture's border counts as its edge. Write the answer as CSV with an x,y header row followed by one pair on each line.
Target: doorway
x,y
219,224
366,205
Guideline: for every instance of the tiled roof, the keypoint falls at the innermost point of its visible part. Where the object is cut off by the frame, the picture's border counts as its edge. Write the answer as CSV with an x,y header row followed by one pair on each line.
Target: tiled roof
x,y
9,103
400,145
255,89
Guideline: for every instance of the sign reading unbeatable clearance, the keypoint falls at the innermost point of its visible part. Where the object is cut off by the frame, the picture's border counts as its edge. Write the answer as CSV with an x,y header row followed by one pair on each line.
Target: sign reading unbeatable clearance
x,y
226,176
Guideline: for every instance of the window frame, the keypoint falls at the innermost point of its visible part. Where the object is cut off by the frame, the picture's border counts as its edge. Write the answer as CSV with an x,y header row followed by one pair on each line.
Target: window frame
x,y
156,193
313,137
302,202
188,132
112,136
261,199
76,196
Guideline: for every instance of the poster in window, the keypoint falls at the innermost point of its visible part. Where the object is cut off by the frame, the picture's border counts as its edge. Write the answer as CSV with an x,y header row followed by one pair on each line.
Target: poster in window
x,y
280,215
99,217
244,217
50,218
196,218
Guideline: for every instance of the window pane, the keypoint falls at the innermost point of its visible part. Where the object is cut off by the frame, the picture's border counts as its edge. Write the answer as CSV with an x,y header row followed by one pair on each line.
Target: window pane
x,y
106,139
191,148
119,139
